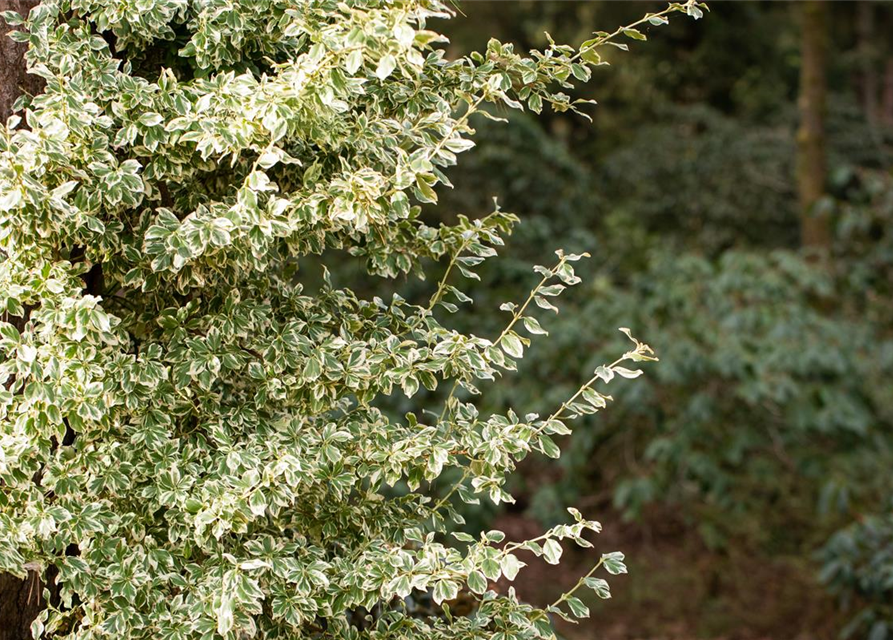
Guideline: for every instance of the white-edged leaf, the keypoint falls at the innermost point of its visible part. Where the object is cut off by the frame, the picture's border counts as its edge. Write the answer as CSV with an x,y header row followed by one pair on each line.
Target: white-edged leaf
x,y
386,66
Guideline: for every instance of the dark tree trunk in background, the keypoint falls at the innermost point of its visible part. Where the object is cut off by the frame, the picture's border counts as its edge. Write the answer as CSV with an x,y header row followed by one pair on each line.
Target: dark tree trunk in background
x,y
887,102
811,154
866,50
20,600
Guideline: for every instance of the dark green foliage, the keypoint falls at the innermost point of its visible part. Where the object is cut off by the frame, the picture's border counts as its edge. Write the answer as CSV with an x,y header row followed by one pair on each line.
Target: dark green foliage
x,y
529,170
708,182
761,397
859,562
767,422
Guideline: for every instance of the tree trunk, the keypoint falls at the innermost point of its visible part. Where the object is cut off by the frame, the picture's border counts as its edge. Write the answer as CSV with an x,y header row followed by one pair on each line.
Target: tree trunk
x,y
811,155
887,104
865,49
13,79
20,600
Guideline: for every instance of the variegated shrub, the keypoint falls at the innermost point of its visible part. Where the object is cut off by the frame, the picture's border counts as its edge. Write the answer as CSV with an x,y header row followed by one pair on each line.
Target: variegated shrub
x,y
190,436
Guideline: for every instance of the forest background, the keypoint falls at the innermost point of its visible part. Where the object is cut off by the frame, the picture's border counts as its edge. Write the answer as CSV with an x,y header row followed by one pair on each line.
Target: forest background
x,y
734,189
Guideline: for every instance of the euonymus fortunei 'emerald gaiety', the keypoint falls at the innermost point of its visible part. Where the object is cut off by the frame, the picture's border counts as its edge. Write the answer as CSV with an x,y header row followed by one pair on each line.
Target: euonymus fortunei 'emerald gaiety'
x,y
193,439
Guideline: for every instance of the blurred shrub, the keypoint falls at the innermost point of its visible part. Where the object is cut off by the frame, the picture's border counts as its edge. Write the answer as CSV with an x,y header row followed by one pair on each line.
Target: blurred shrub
x,y
707,180
761,396
864,252
767,422
852,141
532,173
711,182
858,564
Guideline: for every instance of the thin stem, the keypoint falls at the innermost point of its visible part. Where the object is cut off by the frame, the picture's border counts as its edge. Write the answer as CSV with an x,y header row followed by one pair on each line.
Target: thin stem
x,y
536,432
517,316
569,401
604,39
520,312
442,285
446,404
449,495
511,546
567,595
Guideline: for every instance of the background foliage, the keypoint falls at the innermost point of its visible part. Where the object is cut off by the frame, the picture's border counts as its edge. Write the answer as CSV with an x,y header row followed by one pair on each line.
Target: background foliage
x,y
765,430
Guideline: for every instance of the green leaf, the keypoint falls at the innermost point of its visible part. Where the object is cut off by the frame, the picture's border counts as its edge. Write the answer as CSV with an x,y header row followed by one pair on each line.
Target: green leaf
x,y
511,566
225,620
551,290
556,427
494,536
552,551
354,61
533,326
386,66
599,586
613,563
150,119
581,72
627,373
476,582
445,590
591,56
12,18
578,609
424,191
257,503
512,345
312,369
549,447
491,568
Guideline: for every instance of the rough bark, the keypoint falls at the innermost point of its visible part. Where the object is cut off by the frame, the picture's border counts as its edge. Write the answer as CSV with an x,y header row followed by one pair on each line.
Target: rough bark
x,y
13,79
20,600
811,152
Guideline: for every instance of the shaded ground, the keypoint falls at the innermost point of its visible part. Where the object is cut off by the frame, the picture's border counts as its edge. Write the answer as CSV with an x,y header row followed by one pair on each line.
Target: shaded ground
x,y
677,589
